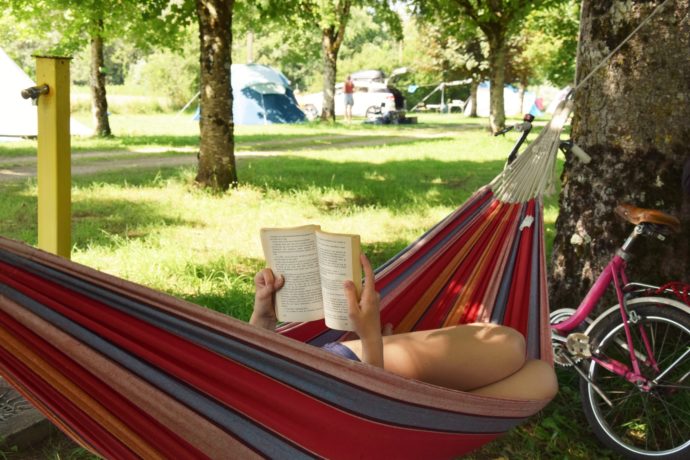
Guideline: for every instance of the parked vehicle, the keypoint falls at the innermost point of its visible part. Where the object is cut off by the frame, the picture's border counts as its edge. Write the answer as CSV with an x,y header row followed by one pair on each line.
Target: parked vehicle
x,y
373,95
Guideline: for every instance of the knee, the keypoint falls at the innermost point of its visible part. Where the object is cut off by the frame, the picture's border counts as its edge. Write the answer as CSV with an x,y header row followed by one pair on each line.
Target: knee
x,y
542,378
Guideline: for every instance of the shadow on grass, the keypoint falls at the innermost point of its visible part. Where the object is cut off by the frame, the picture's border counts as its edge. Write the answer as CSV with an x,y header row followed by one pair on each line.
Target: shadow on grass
x,y
95,223
107,223
230,285
397,185
338,142
169,141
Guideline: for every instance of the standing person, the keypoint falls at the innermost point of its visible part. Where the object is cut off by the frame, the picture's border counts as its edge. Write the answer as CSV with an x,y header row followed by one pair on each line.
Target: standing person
x,y
348,90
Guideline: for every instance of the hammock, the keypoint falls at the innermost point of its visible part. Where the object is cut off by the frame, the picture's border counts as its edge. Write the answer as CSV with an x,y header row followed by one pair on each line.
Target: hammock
x,y
129,372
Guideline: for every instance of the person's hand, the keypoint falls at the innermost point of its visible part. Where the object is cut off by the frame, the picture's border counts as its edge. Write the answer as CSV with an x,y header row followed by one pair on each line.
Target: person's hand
x,y
365,315
266,284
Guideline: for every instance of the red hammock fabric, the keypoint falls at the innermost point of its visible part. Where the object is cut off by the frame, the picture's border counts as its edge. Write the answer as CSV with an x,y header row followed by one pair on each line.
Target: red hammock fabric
x,y
130,372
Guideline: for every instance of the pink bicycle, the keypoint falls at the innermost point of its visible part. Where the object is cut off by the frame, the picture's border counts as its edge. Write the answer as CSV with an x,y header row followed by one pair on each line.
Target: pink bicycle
x,y
634,358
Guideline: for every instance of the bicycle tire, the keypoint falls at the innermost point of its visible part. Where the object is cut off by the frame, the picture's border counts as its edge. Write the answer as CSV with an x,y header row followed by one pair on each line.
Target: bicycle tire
x,y
373,112
642,424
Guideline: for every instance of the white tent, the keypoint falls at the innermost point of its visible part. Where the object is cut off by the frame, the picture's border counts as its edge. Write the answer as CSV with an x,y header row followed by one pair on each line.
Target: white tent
x,y
17,115
511,101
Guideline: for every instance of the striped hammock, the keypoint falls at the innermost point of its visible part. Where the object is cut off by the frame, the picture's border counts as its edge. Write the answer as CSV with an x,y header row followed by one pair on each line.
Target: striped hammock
x,y
129,372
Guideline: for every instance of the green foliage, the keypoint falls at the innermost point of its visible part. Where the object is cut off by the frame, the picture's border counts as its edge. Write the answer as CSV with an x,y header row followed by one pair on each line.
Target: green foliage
x,y
552,35
296,50
119,55
296,54
20,40
540,37
173,74
154,22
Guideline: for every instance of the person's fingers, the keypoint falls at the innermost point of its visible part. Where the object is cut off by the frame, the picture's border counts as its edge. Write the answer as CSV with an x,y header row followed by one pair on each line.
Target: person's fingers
x,y
279,282
268,276
351,296
368,273
259,278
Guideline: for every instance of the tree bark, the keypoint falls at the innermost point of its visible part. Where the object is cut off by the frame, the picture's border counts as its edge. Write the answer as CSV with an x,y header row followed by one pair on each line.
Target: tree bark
x,y
330,62
497,69
632,118
217,169
99,102
331,38
474,87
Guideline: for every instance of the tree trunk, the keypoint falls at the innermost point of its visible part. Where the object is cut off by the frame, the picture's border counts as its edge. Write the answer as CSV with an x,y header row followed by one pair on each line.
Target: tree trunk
x,y
474,87
217,168
632,118
99,102
330,62
497,70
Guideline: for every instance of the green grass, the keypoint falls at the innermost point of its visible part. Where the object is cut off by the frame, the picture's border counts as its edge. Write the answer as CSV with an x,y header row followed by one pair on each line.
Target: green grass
x,y
155,227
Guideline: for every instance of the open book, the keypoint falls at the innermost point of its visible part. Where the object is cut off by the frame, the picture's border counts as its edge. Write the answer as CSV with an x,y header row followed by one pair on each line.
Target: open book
x,y
314,264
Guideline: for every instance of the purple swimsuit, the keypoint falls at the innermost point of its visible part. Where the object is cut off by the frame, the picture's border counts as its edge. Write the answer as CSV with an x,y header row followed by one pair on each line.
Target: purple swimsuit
x,y
339,349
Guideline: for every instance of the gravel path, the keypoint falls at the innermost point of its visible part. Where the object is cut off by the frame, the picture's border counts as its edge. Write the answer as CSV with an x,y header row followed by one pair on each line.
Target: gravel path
x,y
21,168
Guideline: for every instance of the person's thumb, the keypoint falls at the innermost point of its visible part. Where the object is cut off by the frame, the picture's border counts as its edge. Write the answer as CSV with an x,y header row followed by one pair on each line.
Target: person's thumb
x,y
351,295
279,281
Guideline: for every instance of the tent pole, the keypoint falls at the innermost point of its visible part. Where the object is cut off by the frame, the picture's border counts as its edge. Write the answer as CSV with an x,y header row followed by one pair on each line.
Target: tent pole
x,y
190,102
53,164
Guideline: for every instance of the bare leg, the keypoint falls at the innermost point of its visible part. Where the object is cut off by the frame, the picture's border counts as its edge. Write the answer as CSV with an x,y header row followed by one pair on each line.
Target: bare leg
x,y
462,357
535,380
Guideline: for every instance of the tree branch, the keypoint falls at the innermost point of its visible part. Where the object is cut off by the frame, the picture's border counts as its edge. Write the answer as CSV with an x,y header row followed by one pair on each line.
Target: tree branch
x,y
469,10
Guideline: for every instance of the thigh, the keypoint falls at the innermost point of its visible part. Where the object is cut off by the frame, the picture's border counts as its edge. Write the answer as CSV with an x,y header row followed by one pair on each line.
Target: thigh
x,y
461,357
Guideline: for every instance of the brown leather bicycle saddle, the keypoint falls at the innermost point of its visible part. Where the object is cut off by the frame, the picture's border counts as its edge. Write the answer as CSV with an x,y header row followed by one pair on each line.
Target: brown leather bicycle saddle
x,y
636,216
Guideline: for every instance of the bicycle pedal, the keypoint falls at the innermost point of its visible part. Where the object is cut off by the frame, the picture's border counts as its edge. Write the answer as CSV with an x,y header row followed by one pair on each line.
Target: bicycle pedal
x,y
577,344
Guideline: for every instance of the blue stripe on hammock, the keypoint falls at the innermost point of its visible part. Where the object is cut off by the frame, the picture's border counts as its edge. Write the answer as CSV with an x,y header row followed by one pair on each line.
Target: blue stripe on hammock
x,y
324,387
499,311
533,318
432,250
477,196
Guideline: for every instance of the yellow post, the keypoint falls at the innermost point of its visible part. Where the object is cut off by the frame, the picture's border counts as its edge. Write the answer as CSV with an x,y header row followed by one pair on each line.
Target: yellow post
x,y
54,169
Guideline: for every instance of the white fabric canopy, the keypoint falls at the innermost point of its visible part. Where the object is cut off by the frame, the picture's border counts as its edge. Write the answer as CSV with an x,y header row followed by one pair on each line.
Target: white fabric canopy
x,y
17,115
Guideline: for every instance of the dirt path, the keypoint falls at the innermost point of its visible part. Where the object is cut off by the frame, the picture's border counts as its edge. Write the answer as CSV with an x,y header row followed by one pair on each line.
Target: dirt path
x,y
21,168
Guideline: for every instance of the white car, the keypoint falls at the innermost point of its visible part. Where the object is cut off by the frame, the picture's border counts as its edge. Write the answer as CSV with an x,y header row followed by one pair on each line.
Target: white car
x,y
371,99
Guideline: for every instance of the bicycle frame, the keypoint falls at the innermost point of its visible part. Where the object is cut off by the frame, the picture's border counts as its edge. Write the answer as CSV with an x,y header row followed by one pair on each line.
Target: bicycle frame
x,y
614,272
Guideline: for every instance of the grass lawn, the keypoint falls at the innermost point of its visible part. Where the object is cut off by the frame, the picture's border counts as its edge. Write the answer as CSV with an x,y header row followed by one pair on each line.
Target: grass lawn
x,y
155,227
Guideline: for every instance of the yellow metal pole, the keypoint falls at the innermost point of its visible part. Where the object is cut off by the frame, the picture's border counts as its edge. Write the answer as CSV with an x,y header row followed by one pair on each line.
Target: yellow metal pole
x,y
54,169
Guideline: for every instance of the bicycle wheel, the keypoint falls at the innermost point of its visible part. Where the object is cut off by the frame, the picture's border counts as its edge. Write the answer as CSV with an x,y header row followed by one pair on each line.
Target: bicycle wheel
x,y
373,113
642,423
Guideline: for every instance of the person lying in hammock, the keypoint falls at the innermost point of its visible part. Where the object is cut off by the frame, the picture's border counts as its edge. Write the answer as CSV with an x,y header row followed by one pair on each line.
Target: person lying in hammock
x,y
481,358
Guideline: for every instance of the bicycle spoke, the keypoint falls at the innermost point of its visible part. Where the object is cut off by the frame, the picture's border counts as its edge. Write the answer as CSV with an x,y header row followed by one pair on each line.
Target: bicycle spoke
x,y
651,417
673,418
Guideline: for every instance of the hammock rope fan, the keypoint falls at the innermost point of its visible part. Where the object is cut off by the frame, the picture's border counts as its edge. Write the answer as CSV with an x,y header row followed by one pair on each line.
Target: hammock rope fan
x,y
129,372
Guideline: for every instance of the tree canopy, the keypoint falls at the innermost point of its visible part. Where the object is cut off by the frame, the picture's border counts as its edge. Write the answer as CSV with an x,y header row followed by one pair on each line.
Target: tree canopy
x,y
498,21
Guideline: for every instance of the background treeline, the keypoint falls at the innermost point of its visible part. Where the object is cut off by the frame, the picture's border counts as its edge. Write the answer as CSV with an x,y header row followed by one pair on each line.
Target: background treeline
x,y
434,48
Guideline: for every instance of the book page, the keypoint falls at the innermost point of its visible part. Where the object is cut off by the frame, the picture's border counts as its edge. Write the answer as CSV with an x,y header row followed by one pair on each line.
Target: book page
x,y
291,252
338,261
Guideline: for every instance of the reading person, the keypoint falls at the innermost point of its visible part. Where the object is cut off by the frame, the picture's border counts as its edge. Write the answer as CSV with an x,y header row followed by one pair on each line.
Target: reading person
x,y
486,359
